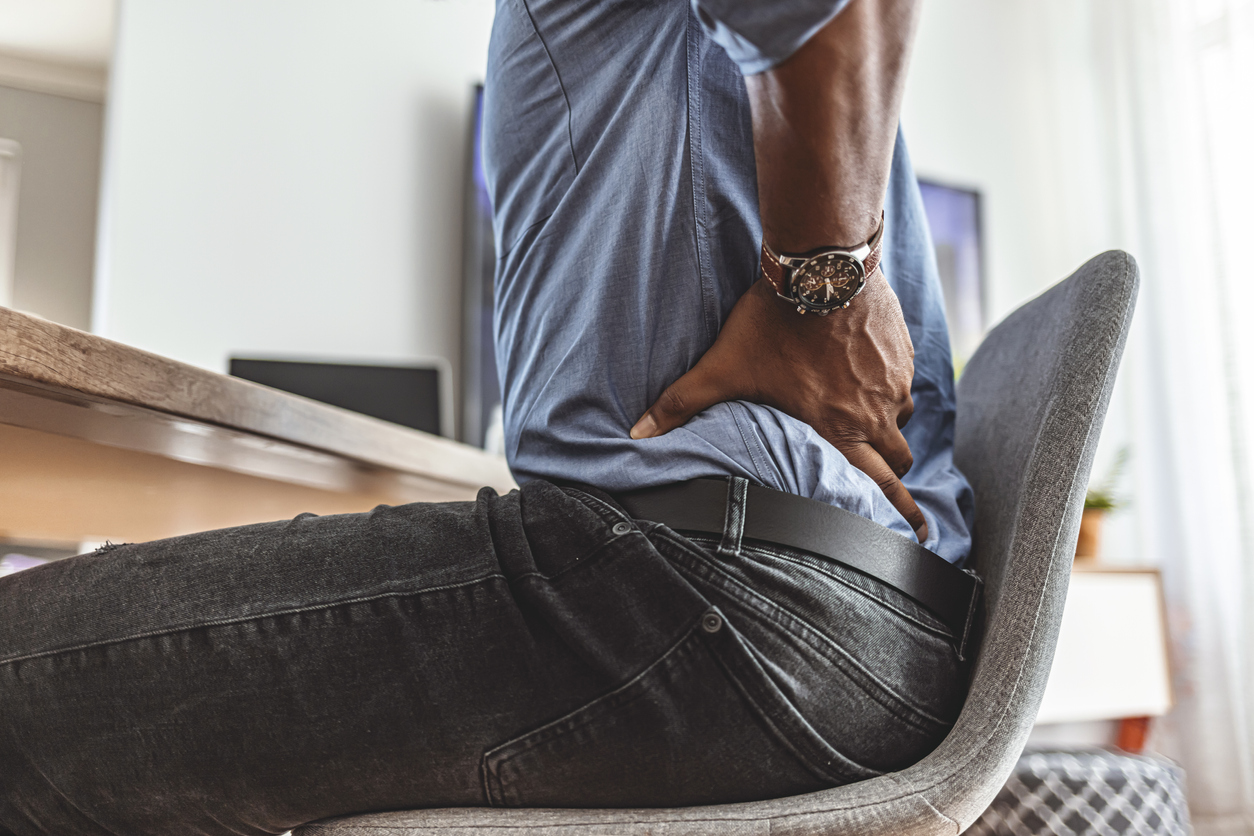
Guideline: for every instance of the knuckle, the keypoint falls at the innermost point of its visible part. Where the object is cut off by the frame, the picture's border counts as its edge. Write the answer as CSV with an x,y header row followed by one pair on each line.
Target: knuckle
x,y
672,402
884,427
888,484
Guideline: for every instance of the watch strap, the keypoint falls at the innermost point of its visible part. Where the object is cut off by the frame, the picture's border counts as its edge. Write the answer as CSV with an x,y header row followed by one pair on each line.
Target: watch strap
x,y
777,274
773,270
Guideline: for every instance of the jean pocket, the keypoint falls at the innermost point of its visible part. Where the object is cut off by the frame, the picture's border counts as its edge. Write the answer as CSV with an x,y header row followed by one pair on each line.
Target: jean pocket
x,y
877,683
679,733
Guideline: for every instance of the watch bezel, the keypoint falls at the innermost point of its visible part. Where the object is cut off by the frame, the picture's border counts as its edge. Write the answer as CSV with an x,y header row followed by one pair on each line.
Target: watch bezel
x,y
797,266
785,273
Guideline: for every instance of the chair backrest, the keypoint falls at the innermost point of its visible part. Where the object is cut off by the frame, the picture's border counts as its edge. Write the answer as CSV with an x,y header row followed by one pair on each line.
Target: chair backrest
x,y
1031,404
1030,409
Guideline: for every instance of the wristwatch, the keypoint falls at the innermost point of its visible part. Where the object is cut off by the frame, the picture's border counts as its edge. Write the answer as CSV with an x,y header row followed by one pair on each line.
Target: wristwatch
x,y
824,279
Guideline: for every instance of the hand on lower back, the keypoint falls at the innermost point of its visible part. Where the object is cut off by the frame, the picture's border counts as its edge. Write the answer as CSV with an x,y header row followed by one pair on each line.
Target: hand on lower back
x,y
847,375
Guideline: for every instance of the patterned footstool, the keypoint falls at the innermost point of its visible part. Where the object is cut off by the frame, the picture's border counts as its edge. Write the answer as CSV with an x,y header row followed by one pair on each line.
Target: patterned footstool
x,y
1088,792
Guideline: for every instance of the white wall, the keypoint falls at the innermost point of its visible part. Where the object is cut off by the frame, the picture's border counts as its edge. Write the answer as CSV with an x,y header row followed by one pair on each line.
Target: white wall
x,y
1006,96
1001,96
284,177
57,198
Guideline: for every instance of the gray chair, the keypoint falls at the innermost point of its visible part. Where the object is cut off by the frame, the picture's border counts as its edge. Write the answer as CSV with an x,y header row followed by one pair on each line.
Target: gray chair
x,y
1030,409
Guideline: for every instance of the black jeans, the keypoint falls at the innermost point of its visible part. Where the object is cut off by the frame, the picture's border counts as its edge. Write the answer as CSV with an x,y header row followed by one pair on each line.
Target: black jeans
x,y
534,649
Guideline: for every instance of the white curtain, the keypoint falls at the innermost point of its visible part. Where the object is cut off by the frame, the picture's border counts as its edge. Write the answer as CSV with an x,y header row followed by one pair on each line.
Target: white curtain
x,y
1177,82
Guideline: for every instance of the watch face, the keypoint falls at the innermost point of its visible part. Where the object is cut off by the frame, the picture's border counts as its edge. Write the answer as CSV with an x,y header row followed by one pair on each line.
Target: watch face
x,y
828,281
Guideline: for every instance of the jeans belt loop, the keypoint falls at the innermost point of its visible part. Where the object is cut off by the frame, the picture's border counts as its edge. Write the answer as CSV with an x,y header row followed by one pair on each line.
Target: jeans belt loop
x,y
734,521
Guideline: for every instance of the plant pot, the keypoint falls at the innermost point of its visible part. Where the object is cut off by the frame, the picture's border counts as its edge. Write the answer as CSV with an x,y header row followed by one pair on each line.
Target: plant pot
x,y
1090,541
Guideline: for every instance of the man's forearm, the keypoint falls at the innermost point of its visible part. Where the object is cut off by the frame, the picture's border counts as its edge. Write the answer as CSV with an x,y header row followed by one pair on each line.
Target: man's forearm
x,y
824,124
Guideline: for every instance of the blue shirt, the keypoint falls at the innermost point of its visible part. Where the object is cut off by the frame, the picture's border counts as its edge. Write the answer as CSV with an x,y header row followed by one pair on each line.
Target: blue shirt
x,y
619,156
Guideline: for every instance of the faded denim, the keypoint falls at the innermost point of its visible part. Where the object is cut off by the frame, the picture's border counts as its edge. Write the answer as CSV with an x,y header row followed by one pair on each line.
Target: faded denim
x,y
538,648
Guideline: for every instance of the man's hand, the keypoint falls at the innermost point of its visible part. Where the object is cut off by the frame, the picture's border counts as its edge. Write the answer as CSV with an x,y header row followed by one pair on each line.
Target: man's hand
x,y
824,124
846,374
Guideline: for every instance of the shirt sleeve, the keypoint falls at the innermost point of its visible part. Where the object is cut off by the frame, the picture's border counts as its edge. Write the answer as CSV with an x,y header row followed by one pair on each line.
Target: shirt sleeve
x,y
758,34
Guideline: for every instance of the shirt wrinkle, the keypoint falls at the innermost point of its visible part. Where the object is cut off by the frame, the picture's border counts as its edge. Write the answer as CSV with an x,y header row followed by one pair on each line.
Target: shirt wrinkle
x,y
614,300
570,130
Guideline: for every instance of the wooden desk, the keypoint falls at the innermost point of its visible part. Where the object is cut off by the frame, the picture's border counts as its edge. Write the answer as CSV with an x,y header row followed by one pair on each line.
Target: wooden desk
x,y
100,440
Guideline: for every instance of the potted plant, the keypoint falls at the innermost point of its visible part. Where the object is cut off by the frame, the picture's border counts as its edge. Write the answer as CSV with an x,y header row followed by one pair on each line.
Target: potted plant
x,y
1099,500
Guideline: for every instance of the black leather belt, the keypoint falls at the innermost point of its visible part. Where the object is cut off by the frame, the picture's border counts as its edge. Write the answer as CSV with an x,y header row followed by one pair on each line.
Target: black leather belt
x,y
772,516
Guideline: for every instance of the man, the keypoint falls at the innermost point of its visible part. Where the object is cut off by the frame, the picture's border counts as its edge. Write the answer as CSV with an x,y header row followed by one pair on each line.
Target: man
x,y
621,153
555,647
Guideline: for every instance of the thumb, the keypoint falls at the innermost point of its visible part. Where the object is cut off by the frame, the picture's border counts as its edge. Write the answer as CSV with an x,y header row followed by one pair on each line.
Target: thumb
x,y
699,389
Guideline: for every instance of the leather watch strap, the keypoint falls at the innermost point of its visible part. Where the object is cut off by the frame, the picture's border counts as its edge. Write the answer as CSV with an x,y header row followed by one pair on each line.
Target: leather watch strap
x,y
776,273
773,270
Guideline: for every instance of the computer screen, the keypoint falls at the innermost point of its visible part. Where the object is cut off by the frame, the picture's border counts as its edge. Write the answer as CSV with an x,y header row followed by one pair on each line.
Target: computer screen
x,y
405,395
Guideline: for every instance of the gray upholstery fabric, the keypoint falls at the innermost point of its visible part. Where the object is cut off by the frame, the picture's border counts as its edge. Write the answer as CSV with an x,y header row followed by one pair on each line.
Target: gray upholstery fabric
x,y
1030,409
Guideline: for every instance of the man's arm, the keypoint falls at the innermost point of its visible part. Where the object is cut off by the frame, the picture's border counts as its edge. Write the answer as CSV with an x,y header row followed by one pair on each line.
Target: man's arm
x,y
824,125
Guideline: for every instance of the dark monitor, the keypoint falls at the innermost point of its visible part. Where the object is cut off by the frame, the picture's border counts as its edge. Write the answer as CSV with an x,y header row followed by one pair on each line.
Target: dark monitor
x,y
954,218
405,395
481,393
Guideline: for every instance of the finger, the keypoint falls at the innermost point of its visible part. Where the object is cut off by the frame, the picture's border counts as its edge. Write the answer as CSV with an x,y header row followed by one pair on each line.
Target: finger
x,y
890,445
699,389
864,457
895,450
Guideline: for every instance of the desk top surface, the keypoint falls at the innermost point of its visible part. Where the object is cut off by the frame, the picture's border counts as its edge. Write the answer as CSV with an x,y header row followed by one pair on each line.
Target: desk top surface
x,y
112,393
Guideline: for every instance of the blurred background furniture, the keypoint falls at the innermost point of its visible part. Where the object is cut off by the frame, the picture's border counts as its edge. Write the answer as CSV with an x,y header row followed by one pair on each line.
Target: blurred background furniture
x,y
1030,408
1112,659
100,440
1083,792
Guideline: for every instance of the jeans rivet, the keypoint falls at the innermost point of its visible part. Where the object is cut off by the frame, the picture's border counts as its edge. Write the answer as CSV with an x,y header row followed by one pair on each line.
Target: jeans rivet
x,y
711,623
621,528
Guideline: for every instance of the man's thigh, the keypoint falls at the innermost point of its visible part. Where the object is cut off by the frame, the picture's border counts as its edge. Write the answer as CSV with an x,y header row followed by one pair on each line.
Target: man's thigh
x,y
242,678
513,650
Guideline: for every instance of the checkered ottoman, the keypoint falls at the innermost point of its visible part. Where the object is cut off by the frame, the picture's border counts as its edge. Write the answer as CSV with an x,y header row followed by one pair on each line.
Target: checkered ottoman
x,y
1090,792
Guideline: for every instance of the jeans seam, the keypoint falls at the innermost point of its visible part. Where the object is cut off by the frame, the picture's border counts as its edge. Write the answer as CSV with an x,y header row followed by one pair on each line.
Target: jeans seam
x,y
222,622
757,546
804,741
490,773
610,509
888,697
942,634
56,787
582,560
894,703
